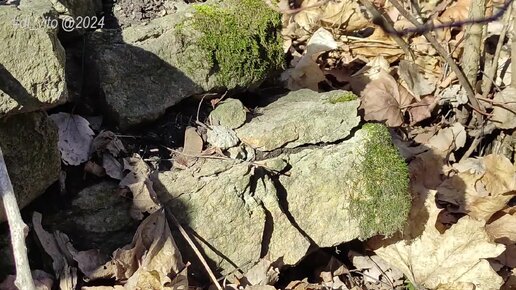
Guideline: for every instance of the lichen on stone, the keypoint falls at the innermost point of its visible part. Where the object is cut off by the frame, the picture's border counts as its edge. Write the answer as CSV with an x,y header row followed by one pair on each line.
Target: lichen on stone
x,y
345,97
242,37
384,207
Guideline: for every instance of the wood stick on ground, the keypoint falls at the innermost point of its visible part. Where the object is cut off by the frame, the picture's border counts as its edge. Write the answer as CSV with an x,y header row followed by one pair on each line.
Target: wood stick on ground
x,y
442,52
17,229
490,76
194,248
473,42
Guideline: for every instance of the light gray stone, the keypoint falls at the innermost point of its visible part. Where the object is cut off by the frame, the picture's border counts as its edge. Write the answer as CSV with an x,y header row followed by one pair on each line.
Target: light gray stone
x,y
229,113
32,74
231,212
300,118
222,137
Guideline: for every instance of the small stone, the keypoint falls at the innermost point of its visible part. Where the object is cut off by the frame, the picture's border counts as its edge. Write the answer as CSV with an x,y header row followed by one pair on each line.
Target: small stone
x,y
230,113
222,137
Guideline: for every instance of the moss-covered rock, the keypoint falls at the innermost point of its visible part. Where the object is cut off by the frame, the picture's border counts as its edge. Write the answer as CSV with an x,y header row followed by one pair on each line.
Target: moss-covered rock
x,y
242,39
384,202
216,45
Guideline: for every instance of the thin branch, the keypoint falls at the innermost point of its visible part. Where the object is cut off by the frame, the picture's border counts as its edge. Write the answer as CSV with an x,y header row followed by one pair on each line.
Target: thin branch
x,y
429,26
17,229
442,52
194,248
491,71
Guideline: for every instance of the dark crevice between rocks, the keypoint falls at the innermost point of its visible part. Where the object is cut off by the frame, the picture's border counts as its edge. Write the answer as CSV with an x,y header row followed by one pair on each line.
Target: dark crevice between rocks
x,y
283,203
261,155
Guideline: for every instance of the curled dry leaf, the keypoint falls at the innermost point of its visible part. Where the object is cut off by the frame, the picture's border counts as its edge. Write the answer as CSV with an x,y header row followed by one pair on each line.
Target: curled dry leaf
x,y
384,100
503,229
138,182
479,193
151,261
107,141
192,147
112,166
75,137
307,74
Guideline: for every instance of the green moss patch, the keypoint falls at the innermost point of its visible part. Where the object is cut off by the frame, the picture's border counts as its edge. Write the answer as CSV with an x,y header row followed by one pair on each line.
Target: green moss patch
x,y
345,97
384,204
243,38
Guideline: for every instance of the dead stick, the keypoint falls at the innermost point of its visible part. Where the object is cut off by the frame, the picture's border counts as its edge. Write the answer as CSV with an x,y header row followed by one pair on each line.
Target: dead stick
x,y
17,229
194,248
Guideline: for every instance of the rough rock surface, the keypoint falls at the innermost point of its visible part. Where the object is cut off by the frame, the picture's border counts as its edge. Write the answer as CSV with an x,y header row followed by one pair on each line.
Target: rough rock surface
x,y
29,144
232,211
98,218
302,117
229,113
32,74
199,48
327,194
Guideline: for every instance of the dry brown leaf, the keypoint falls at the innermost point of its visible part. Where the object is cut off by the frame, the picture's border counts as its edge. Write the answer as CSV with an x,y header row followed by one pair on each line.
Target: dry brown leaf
x,y
449,139
151,260
483,190
192,147
504,116
107,141
55,246
442,260
138,182
112,166
307,74
422,110
384,100
456,12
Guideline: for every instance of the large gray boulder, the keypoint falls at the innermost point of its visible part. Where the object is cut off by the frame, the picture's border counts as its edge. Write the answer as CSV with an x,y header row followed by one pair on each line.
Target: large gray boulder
x,y
337,183
32,74
144,69
29,144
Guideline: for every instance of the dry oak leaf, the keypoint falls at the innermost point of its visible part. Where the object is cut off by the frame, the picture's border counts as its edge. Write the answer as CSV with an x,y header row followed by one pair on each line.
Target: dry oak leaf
x,y
384,100
455,259
482,190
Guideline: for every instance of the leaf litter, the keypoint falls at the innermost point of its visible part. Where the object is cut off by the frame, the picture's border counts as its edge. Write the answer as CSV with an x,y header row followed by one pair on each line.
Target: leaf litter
x,y
461,231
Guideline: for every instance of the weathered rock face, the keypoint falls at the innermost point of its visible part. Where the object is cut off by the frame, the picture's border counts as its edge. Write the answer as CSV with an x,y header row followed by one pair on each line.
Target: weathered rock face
x,y
335,186
32,74
29,144
198,48
98,218
232,212
301,118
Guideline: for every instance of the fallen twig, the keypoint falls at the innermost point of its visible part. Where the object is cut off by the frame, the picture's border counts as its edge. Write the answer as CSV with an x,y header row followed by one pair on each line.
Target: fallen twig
x,y
17,229
491,71
194,248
